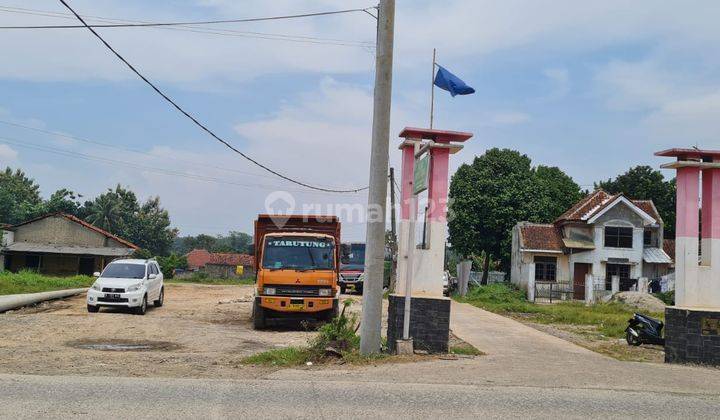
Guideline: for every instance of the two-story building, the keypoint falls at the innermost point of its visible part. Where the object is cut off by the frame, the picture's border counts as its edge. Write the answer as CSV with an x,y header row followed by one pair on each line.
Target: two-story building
x,y
603,234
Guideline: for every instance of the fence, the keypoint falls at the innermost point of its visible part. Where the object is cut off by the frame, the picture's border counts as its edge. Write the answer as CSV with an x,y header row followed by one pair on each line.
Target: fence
x,y
551,291
493,277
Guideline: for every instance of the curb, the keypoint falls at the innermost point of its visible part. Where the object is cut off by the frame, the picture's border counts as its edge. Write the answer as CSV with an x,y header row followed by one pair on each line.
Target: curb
x,y
10,302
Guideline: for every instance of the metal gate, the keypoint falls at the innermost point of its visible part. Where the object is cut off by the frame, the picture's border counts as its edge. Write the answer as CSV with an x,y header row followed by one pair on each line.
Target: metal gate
x,y
552,291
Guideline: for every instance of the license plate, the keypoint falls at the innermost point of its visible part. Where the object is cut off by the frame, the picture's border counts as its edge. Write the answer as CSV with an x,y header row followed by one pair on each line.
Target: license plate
x,y
296,306
112,295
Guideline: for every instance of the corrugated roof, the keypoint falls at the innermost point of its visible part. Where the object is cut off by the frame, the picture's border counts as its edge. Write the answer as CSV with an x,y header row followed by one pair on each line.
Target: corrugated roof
x,y
543,237
656,256
599,200
69,250
669,247
83,223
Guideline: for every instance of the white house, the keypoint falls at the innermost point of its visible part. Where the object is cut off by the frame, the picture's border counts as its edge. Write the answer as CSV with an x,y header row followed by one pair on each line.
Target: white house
x,y
604,235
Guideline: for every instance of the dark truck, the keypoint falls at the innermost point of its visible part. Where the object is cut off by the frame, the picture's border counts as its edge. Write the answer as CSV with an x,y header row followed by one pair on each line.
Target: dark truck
x,y
352,267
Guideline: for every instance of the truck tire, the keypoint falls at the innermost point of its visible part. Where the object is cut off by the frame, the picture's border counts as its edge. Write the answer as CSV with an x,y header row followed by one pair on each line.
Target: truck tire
x,y
342,289
258,316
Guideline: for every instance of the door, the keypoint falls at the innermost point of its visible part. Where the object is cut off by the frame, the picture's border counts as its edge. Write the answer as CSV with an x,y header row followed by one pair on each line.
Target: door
x,y
581,269
620,270
86,266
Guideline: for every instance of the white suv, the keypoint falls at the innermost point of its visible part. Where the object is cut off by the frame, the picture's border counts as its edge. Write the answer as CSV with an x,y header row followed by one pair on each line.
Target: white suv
x,y
127,283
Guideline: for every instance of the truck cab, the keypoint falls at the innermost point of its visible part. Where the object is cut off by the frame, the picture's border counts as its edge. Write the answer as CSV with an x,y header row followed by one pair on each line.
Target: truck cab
x,y
297,261
352,267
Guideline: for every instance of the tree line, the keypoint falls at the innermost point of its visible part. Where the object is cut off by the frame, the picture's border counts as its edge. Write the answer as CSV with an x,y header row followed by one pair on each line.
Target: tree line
x,y
501,188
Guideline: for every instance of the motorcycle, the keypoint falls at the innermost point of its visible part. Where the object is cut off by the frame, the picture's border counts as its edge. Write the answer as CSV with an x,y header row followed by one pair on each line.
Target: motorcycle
x,y
643,329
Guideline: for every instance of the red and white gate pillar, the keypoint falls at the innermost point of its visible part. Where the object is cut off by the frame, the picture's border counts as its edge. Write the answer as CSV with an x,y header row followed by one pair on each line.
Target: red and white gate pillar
x,y
693,324
430,310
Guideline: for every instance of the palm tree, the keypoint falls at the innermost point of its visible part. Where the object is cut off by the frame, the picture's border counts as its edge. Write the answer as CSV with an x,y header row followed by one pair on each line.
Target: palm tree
x,y
105,213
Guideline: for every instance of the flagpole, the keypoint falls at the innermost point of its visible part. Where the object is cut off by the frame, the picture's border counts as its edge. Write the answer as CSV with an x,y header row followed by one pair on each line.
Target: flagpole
x,y
432,91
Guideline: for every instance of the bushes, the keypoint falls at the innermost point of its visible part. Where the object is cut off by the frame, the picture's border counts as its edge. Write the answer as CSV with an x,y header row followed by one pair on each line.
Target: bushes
x,y
32,282
667,297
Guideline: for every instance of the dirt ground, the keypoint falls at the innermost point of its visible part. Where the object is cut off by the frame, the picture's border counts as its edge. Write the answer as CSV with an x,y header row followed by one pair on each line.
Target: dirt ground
x,y
201,331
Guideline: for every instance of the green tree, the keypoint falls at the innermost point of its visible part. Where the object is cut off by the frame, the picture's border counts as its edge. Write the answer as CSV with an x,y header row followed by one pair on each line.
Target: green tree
x,y
19,197
495,192
63,201
170,263
105,213
645,183
557,192
147,225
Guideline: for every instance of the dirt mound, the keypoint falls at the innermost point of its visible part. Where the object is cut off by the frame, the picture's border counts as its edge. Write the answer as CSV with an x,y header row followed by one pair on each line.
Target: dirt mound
x,y
641,301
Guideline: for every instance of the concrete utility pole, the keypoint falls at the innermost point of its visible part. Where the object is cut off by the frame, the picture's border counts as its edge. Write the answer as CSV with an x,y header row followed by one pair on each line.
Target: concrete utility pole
x,y
393,230
377,194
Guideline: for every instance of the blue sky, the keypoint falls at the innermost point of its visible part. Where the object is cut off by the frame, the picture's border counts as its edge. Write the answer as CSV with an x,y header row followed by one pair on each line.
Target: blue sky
x,y
593,88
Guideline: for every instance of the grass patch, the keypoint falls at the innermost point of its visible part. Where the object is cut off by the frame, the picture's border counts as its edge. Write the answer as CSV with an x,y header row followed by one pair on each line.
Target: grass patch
x,y
336,340
203,278
31,282
465,349
289,356
610,319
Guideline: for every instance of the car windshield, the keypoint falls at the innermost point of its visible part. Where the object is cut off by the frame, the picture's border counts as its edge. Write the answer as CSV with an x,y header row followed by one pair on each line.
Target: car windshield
x,y
299,253
124,271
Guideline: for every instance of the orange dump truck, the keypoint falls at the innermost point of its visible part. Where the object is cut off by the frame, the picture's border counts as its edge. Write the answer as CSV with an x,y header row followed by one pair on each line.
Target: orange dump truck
x,y
298,260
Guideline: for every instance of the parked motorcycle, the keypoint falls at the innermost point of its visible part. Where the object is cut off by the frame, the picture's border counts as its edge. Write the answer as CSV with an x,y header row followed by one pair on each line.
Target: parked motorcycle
x,y
643,329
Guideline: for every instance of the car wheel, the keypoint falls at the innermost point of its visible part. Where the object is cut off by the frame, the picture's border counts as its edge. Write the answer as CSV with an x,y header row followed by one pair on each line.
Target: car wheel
x,y
140,310
93,309
161,299
258,316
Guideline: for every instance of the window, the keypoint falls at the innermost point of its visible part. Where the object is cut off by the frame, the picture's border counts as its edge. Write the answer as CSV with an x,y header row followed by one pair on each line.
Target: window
x,y
152,268
647,238
299,253
124,271
545,268
618,237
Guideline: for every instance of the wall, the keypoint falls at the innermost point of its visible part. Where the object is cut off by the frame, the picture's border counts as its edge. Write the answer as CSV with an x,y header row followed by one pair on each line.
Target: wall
x,y
61,231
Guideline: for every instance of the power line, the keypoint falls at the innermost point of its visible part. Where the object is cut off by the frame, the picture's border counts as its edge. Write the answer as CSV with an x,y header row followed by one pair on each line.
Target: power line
x,y
153,169
127,149
198,123
185,23
223,32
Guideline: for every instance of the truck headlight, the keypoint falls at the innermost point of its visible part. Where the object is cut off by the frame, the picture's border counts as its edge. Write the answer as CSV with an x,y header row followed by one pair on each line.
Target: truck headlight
x,y
97,287
270,291
134,287
324,292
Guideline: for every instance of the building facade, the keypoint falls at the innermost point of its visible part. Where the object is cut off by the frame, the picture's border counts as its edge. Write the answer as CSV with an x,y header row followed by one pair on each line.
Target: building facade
x,y
60,244
603,235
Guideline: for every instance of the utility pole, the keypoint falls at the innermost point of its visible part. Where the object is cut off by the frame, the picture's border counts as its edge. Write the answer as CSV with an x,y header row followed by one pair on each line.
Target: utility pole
x,y
377,194
393,273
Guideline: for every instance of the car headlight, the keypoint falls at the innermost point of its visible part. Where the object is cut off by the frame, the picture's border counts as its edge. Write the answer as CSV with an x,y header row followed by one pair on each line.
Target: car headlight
x,y
97,287
324,292
134,287
270,291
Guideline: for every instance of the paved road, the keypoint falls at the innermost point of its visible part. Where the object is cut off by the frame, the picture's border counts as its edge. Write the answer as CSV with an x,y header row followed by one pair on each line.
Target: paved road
x,y
93,397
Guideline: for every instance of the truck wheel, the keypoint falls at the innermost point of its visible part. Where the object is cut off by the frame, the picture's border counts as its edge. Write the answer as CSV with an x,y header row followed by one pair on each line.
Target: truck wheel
x,y
359,288
258,316
93,309
140,310
342,288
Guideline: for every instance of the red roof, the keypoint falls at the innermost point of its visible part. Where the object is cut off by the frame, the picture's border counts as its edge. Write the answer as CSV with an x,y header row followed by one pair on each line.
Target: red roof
x,y
437,135
598,200
83,223
541,237
689,153
198,258
669,248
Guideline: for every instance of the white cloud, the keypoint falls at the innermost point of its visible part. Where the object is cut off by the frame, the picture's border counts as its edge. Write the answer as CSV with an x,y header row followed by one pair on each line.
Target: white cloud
x,y
7,154
508,118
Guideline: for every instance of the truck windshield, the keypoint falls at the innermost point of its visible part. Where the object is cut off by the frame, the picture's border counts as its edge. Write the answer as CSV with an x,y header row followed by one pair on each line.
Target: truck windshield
x,y
356,255
124,271
299,253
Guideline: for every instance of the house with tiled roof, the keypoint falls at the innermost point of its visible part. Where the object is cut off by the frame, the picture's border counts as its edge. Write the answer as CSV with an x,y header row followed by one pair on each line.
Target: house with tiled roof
x,y
60,244
603,235
219,264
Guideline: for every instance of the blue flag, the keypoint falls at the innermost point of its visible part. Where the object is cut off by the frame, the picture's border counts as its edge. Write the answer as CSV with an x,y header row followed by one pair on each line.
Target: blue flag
x,y
448,81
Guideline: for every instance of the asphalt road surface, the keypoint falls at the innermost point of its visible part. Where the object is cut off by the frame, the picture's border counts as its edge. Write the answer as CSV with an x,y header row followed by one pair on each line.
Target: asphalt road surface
x,y
103,397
